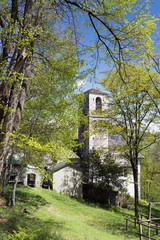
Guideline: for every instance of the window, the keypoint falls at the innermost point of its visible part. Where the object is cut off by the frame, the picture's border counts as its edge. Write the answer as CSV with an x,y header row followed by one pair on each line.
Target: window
x,y
98,103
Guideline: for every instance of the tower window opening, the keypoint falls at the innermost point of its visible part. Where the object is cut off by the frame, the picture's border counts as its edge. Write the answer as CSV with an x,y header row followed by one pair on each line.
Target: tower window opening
x,y
98,103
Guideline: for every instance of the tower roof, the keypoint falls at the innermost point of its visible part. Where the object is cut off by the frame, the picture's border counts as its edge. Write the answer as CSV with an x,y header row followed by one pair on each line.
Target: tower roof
x,y
93,90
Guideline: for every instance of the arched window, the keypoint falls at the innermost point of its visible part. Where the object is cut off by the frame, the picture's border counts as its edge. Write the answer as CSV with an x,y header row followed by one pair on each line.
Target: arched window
x,y
98,103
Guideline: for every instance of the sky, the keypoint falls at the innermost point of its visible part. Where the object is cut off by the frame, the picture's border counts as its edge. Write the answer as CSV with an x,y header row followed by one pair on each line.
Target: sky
x,y
87,84
155,8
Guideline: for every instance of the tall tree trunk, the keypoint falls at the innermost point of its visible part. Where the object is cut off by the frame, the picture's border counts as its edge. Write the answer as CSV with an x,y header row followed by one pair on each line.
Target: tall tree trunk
x,y
136,190
4,179
14,98
7,128
6,176
13,194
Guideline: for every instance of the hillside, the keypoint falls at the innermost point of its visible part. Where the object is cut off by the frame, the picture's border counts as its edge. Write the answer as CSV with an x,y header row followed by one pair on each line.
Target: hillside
x,y
48,215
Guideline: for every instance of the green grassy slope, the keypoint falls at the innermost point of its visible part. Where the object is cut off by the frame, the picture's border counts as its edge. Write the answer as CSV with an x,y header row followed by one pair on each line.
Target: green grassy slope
x,y
60,217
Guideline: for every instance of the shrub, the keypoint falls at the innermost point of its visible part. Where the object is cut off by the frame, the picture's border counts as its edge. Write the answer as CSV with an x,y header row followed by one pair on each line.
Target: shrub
x,y
126,201
23,234
30,234
142,202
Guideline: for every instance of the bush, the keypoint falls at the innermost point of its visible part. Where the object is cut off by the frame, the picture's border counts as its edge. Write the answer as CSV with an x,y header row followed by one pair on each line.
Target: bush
x,y
23,233
142,202
126,201
30,234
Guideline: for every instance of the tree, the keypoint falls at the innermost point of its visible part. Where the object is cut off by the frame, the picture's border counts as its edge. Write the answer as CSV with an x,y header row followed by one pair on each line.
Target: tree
x,y
130,115
101,171
52,104
153,62
25,23
150,176
48,127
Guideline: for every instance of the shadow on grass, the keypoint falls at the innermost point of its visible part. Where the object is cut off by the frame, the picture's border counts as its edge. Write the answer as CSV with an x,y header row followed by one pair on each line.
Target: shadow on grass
x,y
25,196
42,229
17,217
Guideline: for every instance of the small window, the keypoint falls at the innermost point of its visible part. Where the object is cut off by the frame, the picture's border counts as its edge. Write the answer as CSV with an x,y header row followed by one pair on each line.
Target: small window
x,y
98,103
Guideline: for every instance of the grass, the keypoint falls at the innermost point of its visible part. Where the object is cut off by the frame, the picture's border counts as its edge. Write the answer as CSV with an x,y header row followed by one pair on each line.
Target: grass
x,y
60,217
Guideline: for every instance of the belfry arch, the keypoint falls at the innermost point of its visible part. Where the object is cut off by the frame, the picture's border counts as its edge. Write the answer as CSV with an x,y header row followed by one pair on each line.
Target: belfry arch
x,y
98,103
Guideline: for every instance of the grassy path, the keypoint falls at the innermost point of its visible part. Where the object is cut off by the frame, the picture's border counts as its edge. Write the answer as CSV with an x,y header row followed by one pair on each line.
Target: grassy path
x,y
59,217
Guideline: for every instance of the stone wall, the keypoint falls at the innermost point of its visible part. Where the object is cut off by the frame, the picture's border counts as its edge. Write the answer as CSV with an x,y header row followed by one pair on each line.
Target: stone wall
x,y
32,170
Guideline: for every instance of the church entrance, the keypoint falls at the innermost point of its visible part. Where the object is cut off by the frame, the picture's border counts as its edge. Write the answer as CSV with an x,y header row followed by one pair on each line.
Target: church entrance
x,y
31,179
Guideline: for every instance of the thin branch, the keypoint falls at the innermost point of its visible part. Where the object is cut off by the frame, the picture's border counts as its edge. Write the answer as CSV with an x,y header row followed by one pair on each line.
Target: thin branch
x,y
147,126
91,14
1,23
147,145
100,38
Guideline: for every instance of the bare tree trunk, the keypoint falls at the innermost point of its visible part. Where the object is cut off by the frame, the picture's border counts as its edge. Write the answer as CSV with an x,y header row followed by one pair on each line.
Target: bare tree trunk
x,y
6,176
4,181
136,191
13,194
7,128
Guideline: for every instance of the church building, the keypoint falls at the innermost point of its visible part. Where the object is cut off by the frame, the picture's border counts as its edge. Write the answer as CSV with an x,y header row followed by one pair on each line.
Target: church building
x,y
95,107
67,177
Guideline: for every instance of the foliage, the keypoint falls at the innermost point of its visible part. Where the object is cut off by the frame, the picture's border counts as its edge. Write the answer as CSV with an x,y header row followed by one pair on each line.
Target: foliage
x,y
25,28
123,28
130,115
30,234
103,170
48,125
150,176
32,44
126,201
142,202
26,234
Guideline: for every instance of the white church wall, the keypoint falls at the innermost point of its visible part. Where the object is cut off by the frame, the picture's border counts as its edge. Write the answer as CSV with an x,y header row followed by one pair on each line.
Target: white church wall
x,y
129,184
129,181
68,181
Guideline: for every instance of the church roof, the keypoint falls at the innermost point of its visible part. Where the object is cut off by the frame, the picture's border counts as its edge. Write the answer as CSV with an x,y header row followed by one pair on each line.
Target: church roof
x,y
63,164
93,90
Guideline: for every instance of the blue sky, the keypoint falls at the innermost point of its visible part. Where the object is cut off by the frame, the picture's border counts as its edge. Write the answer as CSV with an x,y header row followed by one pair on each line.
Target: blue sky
x,y
155,10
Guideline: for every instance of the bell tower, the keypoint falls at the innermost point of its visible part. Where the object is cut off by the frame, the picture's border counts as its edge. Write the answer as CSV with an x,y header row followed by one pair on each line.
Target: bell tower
x,y
94,108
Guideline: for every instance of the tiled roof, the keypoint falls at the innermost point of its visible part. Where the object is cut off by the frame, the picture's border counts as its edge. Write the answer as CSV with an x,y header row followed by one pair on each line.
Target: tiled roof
x,y
93,90
63,164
